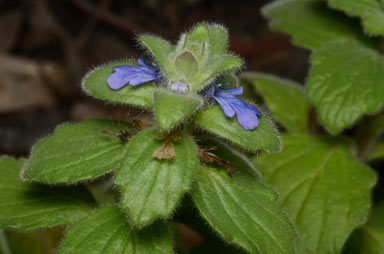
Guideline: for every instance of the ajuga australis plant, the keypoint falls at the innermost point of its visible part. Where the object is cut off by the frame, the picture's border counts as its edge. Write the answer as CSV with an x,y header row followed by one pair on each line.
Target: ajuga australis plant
x,y
188,156
189,167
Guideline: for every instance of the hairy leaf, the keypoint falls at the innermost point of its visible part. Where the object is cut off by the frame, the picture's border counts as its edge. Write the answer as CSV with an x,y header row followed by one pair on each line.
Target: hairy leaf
x,y
264,137
213,35
186,64
241,209
77,152
346,81
95,84
371,13
107,231
159,48
172,108
28,206
220,64
199,34
311,23
285,100
152,187
218,38
322,186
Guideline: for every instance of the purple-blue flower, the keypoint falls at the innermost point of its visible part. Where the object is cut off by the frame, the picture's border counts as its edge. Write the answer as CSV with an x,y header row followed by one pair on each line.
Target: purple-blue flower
x,y
133,75
180,87
247,114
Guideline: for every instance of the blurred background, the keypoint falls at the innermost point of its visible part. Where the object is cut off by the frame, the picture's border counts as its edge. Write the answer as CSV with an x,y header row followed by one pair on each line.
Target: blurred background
x,y
46,46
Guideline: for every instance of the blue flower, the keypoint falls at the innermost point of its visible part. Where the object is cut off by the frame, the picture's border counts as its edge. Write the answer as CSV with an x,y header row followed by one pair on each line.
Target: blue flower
x,y
180,87
133,75
247,114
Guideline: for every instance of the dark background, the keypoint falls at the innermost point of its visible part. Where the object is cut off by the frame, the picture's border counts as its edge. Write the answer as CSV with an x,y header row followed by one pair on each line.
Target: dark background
x,y
46,46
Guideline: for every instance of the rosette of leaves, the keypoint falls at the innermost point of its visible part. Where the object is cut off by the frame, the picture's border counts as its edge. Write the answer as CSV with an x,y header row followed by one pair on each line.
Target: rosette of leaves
x,y
154,166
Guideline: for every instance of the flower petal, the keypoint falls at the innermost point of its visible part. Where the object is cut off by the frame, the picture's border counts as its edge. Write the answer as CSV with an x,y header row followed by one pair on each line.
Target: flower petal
x,y
226,106
140,79
257,112
246,115
229,92
133,75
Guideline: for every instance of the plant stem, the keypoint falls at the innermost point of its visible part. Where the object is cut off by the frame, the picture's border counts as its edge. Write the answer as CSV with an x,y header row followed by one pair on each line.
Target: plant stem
x,y
368,132
312,121
4,246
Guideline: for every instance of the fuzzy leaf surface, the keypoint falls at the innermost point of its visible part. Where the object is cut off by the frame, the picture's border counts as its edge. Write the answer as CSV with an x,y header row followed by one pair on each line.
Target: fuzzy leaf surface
x,y
77,152
241,209
371,13
285,99
218,40
107,231
311,23
264,137
186,64
215,66
159,48
152,187
346,82
214,36
199,34
95,84
322,186
28,206
172,108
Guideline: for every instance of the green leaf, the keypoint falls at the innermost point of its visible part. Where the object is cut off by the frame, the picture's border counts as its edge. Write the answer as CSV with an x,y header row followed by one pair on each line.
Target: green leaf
x,y
77,152
264,137
28,206
214,67
311,23
213,35
152,187
370,237
285,100
159,48
346,81
107,231
370,11
172,108
322,186
241,209
186,64
95,84
218,40
199,34
230,78
37,241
